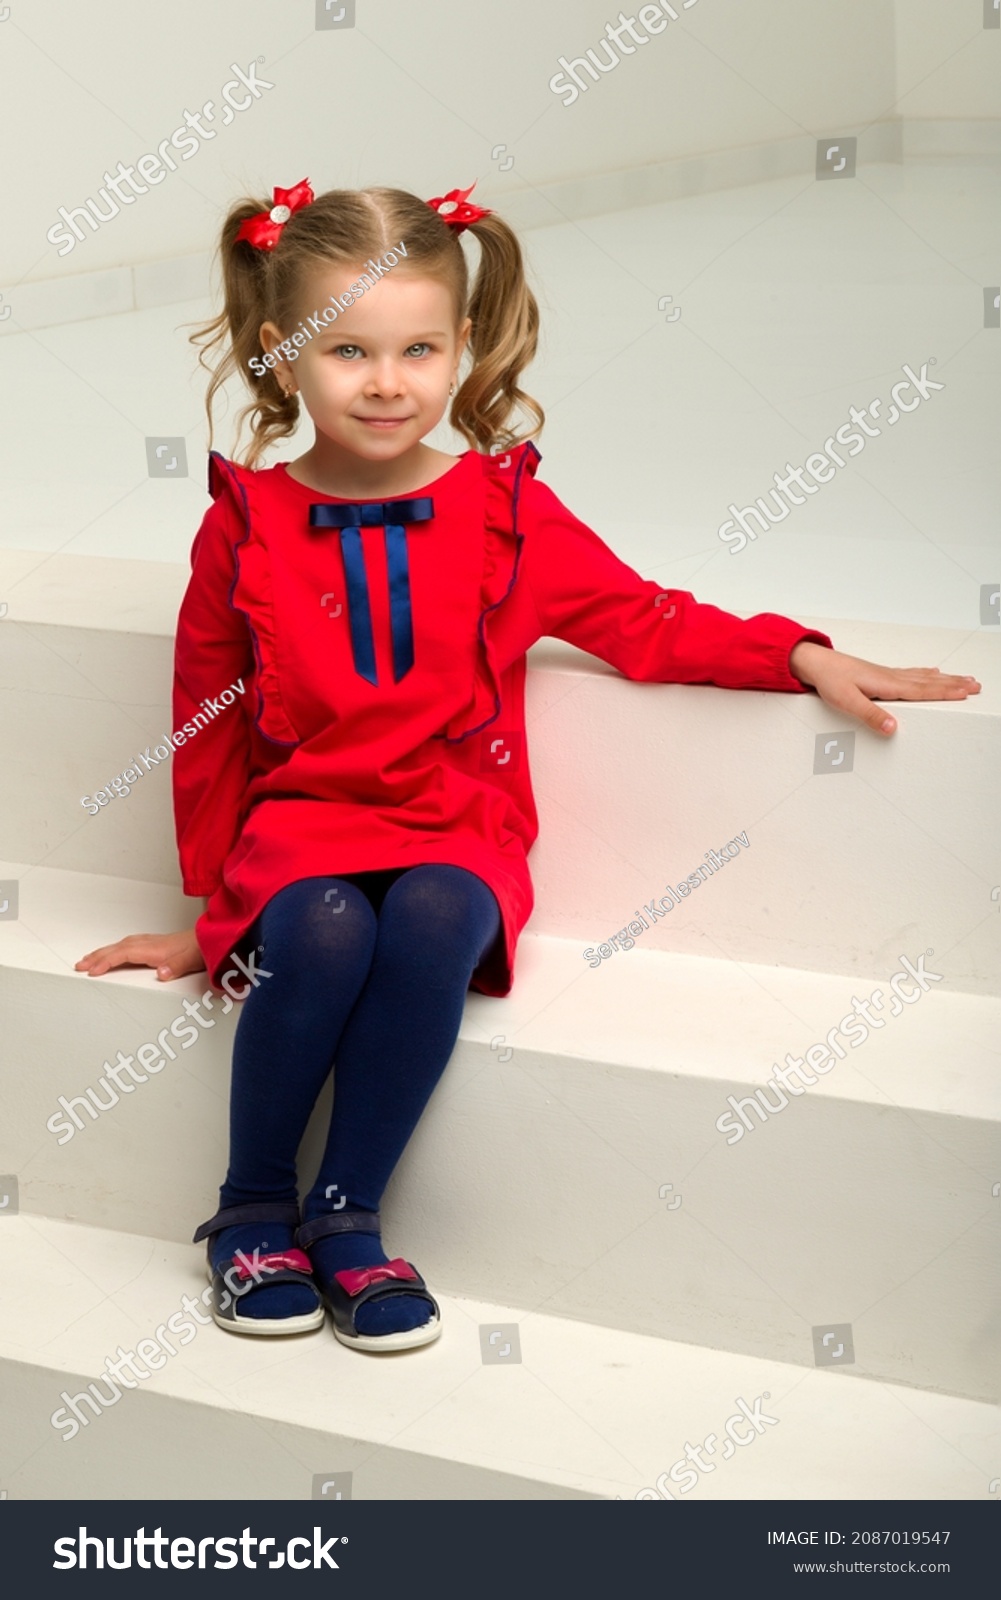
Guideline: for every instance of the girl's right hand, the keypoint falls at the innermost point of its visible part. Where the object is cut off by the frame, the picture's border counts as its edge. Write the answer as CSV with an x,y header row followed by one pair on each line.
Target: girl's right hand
x,y
172,954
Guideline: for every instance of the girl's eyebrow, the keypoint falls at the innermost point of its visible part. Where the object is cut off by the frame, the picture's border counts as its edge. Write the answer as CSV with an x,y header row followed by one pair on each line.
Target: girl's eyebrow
x,y
332,332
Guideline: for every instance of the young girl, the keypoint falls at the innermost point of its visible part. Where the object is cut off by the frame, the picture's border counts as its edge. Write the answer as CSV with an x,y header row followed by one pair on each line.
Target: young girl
x,y
360,815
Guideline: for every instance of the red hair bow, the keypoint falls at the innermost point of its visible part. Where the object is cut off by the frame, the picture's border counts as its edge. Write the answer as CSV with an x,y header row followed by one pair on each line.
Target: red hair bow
x,y
264,230
455,208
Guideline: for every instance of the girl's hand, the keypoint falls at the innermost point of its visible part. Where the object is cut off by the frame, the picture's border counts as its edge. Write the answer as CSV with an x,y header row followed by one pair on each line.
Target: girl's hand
x,y
172,954
850,684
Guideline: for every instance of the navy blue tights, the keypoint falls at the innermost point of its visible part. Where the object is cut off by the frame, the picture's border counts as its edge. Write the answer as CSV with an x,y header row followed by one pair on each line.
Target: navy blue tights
x,y
369,972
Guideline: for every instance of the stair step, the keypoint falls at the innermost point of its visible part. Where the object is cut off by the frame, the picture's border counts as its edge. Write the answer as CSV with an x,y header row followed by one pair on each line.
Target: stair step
x,y
909,844
587,1412
585,1171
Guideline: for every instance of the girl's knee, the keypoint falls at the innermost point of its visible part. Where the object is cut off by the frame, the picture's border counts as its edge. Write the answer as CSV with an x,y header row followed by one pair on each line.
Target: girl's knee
x,y
316,923
439,906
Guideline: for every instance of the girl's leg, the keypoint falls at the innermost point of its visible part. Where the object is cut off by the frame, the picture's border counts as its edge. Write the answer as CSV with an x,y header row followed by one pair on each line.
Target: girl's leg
x,y
435,925
317,946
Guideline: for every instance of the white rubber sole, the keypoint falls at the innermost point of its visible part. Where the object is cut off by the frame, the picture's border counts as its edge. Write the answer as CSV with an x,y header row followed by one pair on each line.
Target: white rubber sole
x,y
267,1327
409,1339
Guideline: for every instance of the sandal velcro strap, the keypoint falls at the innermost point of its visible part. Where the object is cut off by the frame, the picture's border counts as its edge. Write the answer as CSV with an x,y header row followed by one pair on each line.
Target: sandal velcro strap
x,y
277,1260
354,1279
338,1222
258,1211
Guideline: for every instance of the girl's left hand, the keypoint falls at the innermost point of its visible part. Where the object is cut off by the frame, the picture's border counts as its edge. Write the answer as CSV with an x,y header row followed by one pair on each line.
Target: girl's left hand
x,y
850,684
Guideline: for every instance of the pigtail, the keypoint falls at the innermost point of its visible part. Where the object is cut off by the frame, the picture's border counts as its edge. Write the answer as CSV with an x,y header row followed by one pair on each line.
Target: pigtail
x,y
234,335
502,342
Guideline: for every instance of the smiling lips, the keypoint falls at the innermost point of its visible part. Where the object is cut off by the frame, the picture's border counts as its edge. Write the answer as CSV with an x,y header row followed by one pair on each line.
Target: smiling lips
x,y
383,422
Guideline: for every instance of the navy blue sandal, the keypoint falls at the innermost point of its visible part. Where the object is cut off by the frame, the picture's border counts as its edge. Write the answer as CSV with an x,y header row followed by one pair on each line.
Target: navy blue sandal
x,y
233,1278
352,1286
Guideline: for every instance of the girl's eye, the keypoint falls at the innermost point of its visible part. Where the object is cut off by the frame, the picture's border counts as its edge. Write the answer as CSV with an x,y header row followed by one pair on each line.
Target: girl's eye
x,y
350,351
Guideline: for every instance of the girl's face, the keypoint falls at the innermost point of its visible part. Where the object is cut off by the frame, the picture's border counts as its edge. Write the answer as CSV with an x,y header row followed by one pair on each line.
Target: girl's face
x,y
376,380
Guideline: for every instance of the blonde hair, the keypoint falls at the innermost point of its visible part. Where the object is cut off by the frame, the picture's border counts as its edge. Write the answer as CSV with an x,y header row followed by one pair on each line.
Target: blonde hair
x,y
344,226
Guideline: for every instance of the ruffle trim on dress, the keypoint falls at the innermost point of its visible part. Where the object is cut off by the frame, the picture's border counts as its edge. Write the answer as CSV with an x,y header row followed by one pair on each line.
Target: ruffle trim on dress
x,y
504,475
252,594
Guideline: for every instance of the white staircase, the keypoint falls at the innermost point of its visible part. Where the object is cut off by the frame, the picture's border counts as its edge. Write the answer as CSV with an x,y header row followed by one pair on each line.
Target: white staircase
x,y
569,1176
568,1189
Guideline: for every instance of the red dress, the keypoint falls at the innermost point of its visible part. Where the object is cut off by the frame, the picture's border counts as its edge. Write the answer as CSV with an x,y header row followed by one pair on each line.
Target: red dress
x,y
308,767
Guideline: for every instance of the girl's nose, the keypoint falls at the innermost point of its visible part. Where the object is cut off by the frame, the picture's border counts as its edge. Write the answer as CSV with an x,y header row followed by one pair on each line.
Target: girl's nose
x,y
385,379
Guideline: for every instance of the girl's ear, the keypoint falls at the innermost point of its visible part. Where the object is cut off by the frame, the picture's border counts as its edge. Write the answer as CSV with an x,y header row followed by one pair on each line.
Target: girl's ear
x,y
271,337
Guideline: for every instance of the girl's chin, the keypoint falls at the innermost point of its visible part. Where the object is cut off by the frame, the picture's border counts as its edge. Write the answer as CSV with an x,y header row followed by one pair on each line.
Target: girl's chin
x,y
356,429
379,441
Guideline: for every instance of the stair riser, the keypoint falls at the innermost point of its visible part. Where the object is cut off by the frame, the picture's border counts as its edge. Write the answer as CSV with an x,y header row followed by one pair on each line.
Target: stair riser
x,y
537,1181
837,869
159,1447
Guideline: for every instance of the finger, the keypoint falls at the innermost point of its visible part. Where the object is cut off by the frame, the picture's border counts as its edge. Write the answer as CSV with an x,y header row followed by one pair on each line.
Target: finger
x,y
917,684
937,686
102,950
115,956
874,716
951,677
107,960
92,957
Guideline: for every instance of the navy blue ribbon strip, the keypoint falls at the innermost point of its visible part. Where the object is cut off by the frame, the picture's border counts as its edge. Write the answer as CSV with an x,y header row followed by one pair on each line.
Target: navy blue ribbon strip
x,y
390,515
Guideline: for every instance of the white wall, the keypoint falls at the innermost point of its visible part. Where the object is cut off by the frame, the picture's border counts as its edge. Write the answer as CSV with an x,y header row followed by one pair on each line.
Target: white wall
x,y
420,95
947,64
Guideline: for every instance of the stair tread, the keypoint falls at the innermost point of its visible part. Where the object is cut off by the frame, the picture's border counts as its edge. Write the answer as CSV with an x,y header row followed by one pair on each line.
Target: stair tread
x,y
588,1408
643,1009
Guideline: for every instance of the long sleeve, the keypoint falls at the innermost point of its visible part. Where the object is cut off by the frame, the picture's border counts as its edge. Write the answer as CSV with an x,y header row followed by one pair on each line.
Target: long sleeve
x,y
585,594
213,656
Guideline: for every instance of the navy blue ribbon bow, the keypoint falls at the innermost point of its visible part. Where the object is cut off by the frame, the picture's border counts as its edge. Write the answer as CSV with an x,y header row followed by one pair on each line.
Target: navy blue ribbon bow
x,y
391,515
